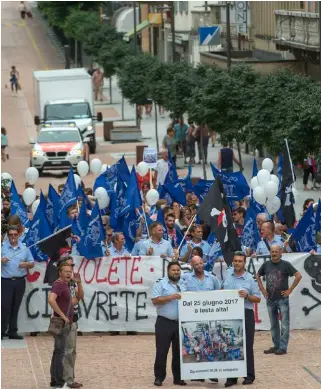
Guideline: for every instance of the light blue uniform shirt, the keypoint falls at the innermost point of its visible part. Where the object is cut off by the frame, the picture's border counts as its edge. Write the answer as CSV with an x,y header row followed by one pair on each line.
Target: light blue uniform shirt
x,y
194,284
261,248
319,248
163,247
113,251
164,287
137,247
203,245
245,282
11,269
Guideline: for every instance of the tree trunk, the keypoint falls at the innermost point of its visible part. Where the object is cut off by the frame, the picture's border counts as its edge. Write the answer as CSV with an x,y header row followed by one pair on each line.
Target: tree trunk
x,y
122,108
240,155
202,155
110,91
156,128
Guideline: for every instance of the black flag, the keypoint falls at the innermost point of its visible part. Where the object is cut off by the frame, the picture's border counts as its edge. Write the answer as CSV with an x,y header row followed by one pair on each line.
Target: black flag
x,y
217,214
287,198
55,242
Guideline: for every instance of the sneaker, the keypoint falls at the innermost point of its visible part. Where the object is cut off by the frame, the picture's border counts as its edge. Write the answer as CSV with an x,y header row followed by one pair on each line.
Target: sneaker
x,y
280,352
271,350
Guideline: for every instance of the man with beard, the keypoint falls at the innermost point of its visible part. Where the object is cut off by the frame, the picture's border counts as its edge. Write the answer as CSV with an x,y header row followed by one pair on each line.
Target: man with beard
x,y
241,280
165,296
200,280
171,229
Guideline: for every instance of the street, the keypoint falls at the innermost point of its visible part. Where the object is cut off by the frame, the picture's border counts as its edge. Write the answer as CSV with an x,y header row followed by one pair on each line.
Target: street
x,y
120,361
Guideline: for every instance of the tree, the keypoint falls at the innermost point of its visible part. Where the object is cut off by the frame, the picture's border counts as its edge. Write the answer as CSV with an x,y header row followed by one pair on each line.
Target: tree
x,y
80,24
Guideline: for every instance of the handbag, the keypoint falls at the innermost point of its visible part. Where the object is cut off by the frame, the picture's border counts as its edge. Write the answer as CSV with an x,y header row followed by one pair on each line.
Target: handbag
x,y
57,323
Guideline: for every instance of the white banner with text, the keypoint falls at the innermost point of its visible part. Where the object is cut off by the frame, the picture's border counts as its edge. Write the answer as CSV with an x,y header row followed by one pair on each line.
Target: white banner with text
x,y
118,294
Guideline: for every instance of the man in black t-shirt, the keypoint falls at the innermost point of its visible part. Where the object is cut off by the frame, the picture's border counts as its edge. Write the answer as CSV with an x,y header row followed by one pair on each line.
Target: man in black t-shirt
x,y
277,292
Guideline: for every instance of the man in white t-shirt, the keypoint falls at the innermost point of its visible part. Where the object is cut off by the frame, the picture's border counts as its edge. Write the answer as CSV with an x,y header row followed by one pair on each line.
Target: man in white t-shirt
x,y
161,169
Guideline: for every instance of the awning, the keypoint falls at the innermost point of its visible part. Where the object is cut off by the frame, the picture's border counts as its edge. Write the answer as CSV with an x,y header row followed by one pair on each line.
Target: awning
x,y
139,28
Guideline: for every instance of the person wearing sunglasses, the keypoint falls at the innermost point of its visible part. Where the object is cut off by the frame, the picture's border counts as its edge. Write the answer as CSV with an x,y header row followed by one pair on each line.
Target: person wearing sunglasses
x,y
16,258
239,279
165,296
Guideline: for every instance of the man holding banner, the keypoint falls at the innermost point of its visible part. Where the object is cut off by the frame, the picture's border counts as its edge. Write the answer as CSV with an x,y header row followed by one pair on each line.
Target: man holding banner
x,y
248,289
165,296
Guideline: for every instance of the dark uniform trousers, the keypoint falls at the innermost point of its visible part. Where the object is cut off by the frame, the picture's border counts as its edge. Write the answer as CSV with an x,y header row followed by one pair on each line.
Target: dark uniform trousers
x,y
12,291
249,333
167,333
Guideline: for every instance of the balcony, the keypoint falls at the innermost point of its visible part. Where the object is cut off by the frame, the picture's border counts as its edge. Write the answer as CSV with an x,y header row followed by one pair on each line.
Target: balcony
x,y
297,31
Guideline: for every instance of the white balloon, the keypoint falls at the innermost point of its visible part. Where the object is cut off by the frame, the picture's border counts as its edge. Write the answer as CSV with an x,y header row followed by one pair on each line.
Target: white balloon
x,y
34,206
152,196
263,177
271,190
259,195
104,168
29,196
83,168
95,165
254,183
273,205
102,197
275,179
6,176
267,164
142,169
31,175
77,180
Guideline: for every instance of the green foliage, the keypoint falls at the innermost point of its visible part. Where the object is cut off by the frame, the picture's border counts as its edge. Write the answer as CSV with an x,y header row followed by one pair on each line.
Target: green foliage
x,y
133,78
80,24
112,55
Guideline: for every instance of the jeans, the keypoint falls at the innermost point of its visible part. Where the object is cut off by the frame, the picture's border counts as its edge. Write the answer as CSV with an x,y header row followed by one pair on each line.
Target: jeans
x,y
70,355
57,360
280,337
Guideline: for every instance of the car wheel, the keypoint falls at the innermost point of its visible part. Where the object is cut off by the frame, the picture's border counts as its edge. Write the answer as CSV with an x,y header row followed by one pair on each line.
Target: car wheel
x,y
92,145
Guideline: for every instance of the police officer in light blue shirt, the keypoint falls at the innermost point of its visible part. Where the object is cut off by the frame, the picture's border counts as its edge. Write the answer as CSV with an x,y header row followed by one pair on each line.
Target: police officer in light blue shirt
x,y
196,241
15,260
156,245
268,239
165,296
248,289
198,279
118,246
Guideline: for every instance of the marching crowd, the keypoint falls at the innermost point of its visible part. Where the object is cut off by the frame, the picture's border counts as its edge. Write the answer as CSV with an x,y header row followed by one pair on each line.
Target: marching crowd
x,y
168,229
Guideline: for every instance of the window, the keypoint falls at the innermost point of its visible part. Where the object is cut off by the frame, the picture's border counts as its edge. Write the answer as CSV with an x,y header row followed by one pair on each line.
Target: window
x,y
301,4
57,136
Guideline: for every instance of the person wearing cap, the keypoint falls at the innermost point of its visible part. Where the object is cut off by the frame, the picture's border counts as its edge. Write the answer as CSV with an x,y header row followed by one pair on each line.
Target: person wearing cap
x,y
16,258
239,279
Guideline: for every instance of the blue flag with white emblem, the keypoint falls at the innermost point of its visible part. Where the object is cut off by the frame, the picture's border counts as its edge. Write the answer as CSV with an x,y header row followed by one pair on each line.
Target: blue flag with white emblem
x,y
52,208
16,206
117,201
304,233
202,188
172,175
176,192
39,229
69,194
129,228
90,244
132,198
82,220
251,236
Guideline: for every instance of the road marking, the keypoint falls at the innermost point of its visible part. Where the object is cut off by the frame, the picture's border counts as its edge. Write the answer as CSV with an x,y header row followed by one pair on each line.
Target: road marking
x,y
35,46
318,379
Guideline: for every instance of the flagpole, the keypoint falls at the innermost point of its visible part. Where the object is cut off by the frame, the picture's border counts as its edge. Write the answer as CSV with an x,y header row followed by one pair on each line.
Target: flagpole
x,y
40,241
146,221
180,245
287,147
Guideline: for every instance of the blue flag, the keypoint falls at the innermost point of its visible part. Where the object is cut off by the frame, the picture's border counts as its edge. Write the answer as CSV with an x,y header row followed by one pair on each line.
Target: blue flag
x,y
176,192
172,175
255,170
90,245
106,180
16,206
82,220
39,229
117,201
132,198
304,233
52,208
318,217
163,194
280,167
202,188
251,236
69,194
130,226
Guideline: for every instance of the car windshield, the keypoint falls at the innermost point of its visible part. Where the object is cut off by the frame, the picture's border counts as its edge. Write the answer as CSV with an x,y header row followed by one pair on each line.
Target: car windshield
x,y
67,111
59,136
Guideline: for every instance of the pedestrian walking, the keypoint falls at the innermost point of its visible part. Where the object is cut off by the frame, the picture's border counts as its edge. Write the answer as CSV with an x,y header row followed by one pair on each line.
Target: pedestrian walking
x,y
190,143
98,82
309,167
15,260
169,142
165,296
277,292
22,9
14,81
241,280
4,144
202,137
226,157
180,135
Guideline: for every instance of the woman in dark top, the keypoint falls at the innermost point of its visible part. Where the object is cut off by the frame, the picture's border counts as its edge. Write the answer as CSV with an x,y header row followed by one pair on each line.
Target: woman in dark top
x,y
225,159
